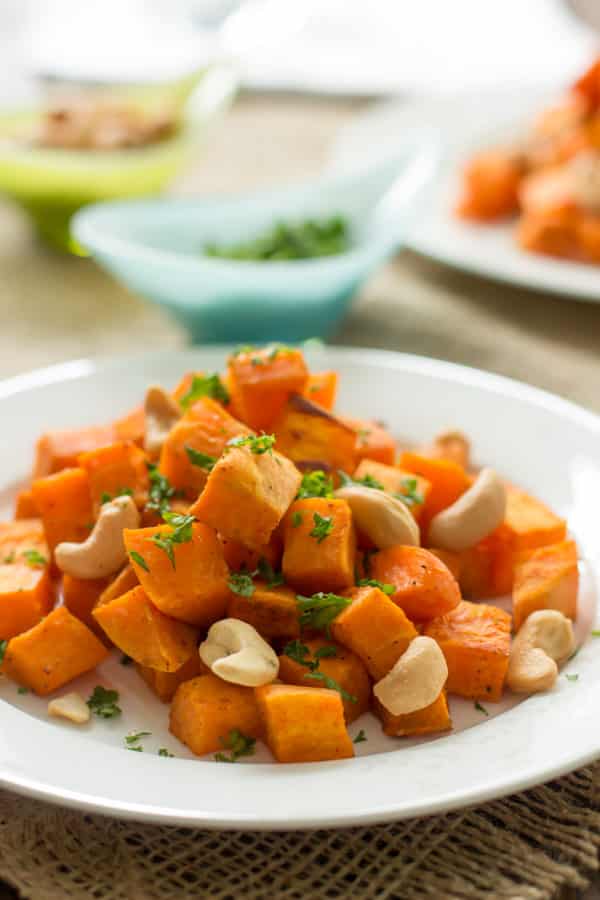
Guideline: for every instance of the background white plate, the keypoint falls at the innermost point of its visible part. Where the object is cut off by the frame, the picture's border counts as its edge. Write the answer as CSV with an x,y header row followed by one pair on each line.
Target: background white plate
x,y
465,123
542,442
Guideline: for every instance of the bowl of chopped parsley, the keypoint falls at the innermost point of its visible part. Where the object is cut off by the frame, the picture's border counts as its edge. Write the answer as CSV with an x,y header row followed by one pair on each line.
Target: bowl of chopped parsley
x,y
274,265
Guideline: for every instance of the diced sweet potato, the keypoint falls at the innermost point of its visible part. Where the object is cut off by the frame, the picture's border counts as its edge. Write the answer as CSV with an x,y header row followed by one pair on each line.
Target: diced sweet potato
x,y
52,653
319,545
490,187
65,505
430,720
206,710
372,441
131,427
345,668
588,85
20,536
25,507
239,557
271,610
144,633
475,639
164,684
26,595
486,570
547,578
304,724
59,450
447,482
374,628
205,428
125,581
425,587
116,469
321,388
310,435
247,495
452,560
80,596
193,590
531,522
397,481
261,381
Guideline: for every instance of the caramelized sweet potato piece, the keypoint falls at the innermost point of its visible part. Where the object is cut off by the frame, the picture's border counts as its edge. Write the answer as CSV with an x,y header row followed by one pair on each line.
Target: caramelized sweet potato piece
x,y
532,524
65,505
319,545
80,596
588,85
448,482
374,628
372,441
239,557
397,481
261,380
194,589
164,684
116,469
432,719
131,427
452,560
57,450
52,653
486,570
144,633
321,388
344,667
205,428
125,581
21,536
247,495
425,587
475,639
303,724
271,610
25,507
310,435
206,710
26,595
546,578
490,187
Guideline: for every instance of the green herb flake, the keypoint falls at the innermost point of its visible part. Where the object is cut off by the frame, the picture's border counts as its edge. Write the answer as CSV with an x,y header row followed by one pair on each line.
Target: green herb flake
x,y
360,737
366,481
387,589
331,684
258,445
103,702
34,558
181,533
205,386
201,460
315,484
323,527
297,651
3,646
268,574
297,519
410,494
164,752
239,744
134,737
23,690
306,239
9,559
139,559
241,583
161,491
320,610
481,708
572,677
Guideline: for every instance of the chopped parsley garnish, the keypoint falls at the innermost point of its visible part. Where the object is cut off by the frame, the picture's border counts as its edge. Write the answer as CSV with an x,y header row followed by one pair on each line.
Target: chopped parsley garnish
x,y
273,351
161,491
305,239
132,740
164,752
410,493
331,684
3,646
10,558
362,434
34,558
315,484
268,574
103,702
239,744
201,460
205,386
366,481
360,737
572,677
299,652
320,610
241,583
181,533
258,445
105,497
297,518
388,589
481,708
323,527
125,660
23,690
139,559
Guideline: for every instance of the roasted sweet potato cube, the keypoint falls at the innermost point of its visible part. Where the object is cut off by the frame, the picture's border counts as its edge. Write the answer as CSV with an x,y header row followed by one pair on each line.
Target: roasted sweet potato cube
x,y
531,523
487,569
491,186
315,438
475,639
164,684
433,718
144,633
448,481
125,581
452,560
344,667
303,724
80,596
546,578
25,507
26,595
205,428
206,710
373,441
247,494
261,381
53,652
321,388
57,450
319,545
21,536
193,588
374,628
65,505
131,427
397,481
425,587
117,469
239,557
271,610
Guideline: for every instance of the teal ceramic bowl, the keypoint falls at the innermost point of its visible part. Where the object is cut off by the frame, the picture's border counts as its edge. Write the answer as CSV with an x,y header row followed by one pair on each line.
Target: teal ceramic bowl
x,y
156,249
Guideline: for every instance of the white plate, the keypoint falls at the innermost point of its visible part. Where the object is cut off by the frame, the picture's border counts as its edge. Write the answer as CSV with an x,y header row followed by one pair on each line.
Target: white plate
x,y
542,442
466,123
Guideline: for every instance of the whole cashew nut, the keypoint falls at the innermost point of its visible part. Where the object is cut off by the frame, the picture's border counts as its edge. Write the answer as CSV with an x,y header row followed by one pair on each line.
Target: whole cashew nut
x,y
236,652
103,553
383,518
473,516
161,412
416,680
544,642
